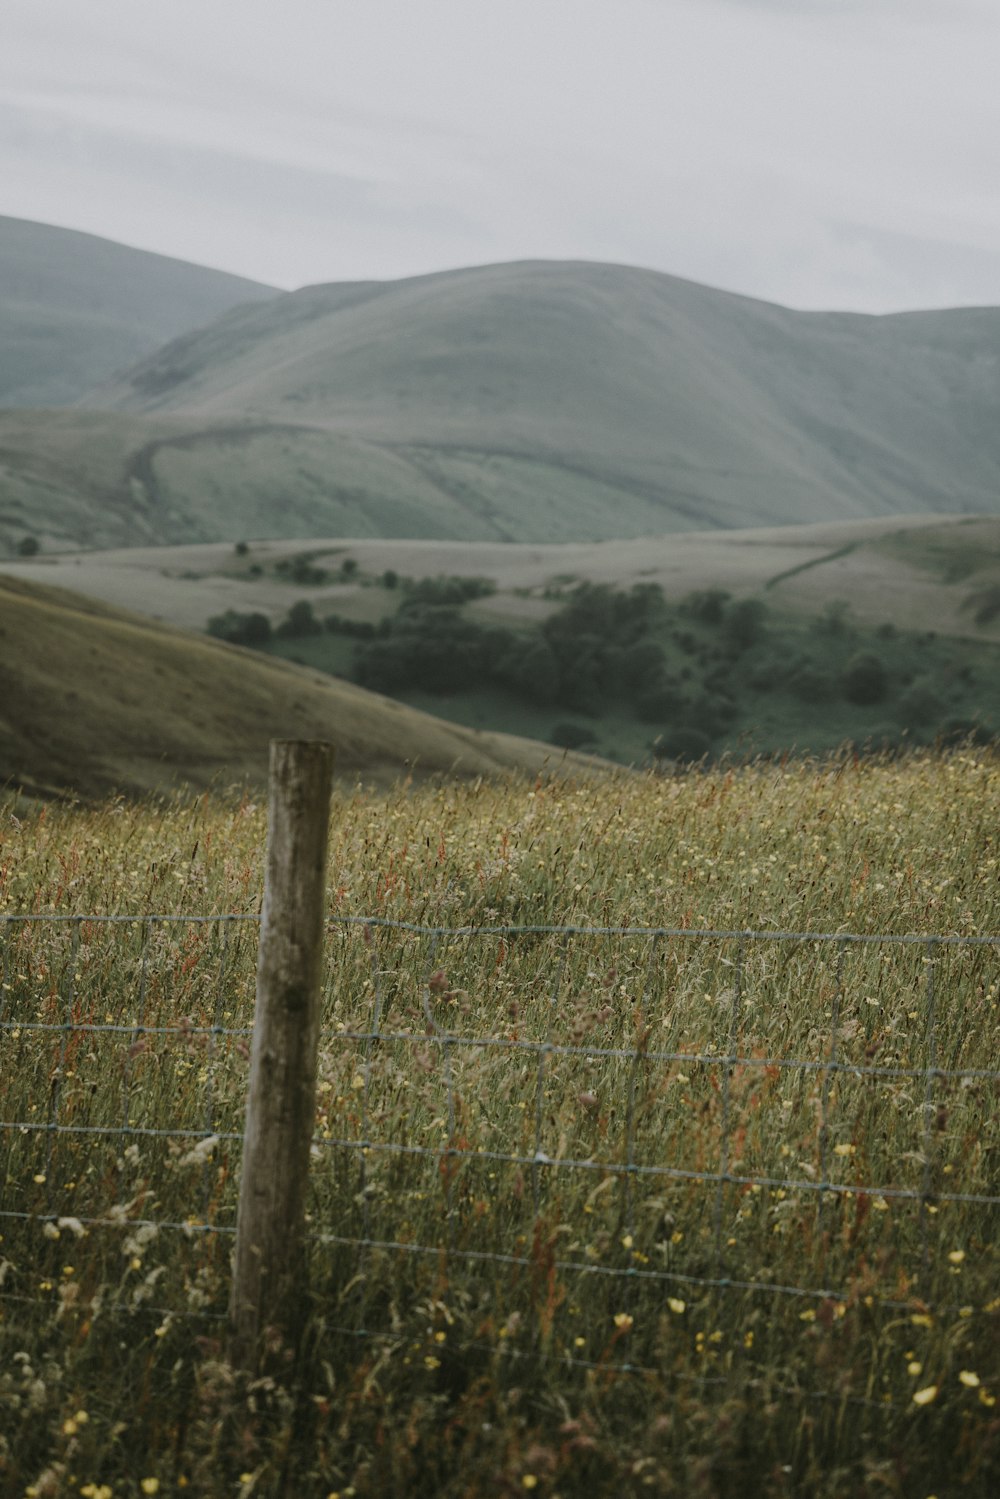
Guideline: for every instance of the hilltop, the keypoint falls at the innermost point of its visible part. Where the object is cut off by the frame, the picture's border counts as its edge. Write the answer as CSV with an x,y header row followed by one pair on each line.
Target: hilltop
x,y
95,700
75,308
534,402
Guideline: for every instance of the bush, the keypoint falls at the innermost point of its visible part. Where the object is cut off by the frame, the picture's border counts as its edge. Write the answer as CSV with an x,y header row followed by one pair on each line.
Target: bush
x,y
811,684
640,665
744,624
708,606
711,713
358,629
533,672
920,706
958,731
445,592
240,629
835,619
686,745
987,605
300,621
865,680
571,735
661,701
28,547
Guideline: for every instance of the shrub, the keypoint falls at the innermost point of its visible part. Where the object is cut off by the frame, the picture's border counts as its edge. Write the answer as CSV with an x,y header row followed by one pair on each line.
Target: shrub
x,y
446,592
920,706
661,701
744,624
865,680
812,684
707,606
710,713
300,621
835,618
28,547
967,731
688,745
240,629
571,735
640,664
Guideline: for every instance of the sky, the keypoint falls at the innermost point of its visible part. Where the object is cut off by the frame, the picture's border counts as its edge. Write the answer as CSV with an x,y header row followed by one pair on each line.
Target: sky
x,y
817,153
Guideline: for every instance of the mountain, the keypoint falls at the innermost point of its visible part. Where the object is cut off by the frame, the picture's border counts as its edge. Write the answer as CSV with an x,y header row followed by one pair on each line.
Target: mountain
x,y
535,402
95,700
75,308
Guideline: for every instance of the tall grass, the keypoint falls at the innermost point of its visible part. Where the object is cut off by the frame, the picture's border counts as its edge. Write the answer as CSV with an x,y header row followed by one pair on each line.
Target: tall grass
x,y
560,1241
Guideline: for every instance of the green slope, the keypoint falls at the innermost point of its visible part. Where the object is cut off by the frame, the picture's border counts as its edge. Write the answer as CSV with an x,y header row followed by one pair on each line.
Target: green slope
x,y
94,700
75,308
708,407
537,402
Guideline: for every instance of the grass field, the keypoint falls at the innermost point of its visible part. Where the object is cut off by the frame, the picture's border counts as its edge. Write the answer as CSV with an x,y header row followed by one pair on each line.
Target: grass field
x,y
539,1326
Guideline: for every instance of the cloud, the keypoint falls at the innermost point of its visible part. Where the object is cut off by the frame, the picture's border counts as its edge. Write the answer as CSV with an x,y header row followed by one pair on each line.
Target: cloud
x,y
738,142
275,221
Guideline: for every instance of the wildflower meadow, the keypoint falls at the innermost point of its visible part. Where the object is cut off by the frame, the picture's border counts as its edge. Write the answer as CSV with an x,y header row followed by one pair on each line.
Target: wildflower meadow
x,y
656,1149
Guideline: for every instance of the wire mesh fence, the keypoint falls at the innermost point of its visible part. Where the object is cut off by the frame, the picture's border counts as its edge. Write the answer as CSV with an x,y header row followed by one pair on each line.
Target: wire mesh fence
x,y
589,1117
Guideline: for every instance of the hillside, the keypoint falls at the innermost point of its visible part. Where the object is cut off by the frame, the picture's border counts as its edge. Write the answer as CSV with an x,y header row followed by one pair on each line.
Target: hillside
x,y
94,700
752,641
691,406
75,308
533,402
905,571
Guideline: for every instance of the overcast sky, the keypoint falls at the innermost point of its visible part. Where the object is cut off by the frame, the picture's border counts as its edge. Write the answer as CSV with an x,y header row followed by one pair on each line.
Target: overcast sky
x,y
819,153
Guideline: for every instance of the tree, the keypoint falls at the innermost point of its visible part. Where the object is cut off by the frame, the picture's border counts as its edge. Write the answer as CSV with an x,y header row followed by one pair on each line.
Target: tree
x,y
28,547
744,624
241,629
300,621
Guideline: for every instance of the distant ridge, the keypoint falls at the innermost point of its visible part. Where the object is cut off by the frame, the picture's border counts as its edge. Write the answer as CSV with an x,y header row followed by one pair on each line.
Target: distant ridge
x,y
75,308
539,401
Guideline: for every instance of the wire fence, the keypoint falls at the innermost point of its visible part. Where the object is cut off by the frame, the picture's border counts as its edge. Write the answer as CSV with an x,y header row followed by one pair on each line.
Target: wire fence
x,y
649,1109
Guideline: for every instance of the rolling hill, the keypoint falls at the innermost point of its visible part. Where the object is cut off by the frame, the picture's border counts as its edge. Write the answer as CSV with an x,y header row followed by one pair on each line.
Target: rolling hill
x,y
95,700
532,402
75,308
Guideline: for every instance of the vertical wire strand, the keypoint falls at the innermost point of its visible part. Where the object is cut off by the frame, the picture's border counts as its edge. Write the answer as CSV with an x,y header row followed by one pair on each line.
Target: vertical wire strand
x,y
6,986
544,1052
371,1039
628,1190
55,1095
832,1064
445,1042
927,1132
140,1017
211,1056
728,1061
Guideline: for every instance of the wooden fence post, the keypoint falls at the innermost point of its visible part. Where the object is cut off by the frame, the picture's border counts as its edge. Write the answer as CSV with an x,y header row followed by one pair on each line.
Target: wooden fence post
x,y
281,1099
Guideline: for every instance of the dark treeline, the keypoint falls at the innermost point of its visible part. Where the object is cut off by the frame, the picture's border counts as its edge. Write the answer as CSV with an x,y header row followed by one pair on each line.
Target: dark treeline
x,y
696,672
